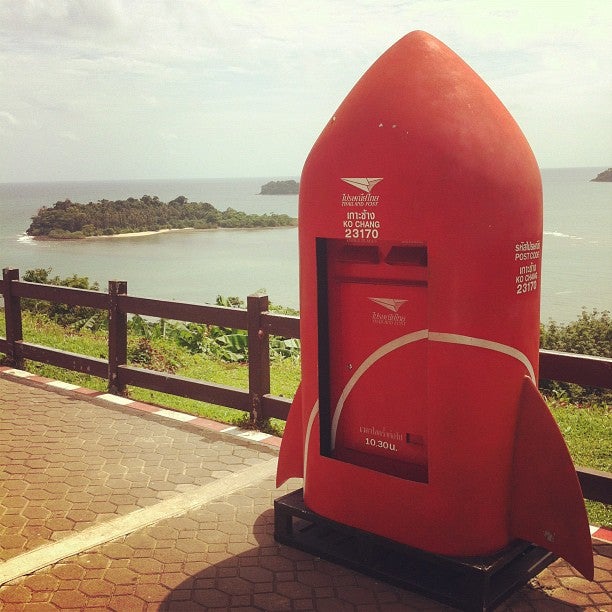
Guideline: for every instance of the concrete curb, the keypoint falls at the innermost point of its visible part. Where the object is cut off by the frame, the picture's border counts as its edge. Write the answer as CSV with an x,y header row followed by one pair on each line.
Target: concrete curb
x,y
116,400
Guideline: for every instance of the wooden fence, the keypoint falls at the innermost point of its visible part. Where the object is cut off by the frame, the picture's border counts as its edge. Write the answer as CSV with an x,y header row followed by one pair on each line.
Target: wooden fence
x,y
259,324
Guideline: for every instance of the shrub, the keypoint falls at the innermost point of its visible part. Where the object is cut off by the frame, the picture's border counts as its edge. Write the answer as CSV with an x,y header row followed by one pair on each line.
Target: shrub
x,y
141,352
222,343
589,334
64,314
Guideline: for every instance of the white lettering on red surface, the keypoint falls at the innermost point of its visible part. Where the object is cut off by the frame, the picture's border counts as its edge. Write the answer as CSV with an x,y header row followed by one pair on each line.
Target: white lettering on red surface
x,y
361,224
527,254
377,442
361,199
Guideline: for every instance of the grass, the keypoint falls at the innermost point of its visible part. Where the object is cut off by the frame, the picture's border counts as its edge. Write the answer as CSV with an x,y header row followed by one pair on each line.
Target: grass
x,y
284,379
586,429
588,435
284,374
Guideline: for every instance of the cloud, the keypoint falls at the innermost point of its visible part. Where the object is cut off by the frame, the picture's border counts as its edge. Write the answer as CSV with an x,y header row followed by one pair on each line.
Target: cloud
x,y
45,20
165,135
229,77
9,117
71,136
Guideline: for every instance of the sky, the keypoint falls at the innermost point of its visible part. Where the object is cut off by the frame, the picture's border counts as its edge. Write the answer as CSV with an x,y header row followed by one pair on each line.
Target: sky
x,y
170,89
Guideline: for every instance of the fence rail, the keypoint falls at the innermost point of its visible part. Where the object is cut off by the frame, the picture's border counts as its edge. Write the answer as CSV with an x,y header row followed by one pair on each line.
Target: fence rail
x,y
259,324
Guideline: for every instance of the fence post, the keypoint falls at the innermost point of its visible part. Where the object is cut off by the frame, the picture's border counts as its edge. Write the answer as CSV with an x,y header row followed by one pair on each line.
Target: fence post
x,y
12,314
117,336
259,355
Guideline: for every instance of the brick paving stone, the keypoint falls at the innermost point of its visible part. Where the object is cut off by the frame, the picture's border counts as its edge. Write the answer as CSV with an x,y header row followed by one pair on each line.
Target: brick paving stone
x,y
140,541
216,556
120,575
117,550
579,584
126,602
70,599
65,438
94,587
570,597
93,560
40,607
151,592
67,571
233,585
602,599
271,601
294,590
15,595
210,597
41,582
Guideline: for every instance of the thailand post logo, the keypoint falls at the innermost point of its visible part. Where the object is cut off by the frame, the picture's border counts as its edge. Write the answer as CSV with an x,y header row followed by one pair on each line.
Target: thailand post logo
x,y
388,318
367,198
389,303
365,184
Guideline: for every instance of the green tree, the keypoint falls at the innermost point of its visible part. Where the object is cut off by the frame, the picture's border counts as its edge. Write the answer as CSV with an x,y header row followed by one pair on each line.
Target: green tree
x,y
73,220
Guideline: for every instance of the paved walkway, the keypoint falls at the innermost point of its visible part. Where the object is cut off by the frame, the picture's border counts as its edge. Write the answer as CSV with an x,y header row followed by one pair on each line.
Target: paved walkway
x,y
106,506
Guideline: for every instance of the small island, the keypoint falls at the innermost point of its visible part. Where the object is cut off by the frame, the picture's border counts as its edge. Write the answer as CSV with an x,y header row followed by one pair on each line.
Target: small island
x,y
603,177
71,220
280,188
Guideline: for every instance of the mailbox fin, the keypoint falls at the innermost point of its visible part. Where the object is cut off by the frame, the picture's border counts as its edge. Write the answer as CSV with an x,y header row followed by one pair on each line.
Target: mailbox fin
x,y
547,507
291,455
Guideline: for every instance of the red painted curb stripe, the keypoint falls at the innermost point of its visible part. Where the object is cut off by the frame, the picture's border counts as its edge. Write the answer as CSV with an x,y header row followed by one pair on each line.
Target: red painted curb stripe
x,y
602,533
200,422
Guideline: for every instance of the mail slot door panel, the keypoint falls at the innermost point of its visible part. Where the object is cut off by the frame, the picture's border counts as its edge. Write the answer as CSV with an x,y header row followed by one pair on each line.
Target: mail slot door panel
x,y
378,363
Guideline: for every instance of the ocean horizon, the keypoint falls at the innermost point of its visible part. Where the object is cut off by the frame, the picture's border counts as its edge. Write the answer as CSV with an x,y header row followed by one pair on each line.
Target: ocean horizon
x,y
197,265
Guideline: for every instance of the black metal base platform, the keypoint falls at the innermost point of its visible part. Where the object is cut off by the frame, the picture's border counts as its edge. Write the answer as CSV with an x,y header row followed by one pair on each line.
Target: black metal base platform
x,y
474,583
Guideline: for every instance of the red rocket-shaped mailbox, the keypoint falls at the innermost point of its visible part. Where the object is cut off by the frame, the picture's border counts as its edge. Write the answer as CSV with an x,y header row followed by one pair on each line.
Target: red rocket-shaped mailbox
x,y
420,225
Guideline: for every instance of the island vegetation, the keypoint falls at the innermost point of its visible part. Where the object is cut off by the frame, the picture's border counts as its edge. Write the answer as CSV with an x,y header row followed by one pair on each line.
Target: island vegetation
x,y
71,220
604,177
280,188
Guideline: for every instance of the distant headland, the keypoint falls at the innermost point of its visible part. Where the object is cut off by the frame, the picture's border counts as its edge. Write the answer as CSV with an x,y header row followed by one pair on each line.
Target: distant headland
x,y
280,188
604,177
142,216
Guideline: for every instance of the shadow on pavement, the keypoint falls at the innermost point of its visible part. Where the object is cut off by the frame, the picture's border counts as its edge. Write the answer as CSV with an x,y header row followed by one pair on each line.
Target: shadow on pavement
x,y
270,576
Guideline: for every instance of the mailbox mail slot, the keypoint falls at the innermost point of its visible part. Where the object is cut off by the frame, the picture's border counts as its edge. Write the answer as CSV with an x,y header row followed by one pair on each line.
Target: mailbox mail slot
x,y
373,394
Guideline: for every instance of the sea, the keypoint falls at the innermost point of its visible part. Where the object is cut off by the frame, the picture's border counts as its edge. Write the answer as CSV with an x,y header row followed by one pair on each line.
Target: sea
x,y
197,266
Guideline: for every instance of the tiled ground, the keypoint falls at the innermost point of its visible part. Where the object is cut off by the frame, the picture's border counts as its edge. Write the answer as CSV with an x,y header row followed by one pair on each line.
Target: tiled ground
x,y
221,557
72,466
64,468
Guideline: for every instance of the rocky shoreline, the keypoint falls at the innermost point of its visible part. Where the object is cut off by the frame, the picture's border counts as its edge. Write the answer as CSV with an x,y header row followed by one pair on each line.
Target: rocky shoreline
x,y
603,177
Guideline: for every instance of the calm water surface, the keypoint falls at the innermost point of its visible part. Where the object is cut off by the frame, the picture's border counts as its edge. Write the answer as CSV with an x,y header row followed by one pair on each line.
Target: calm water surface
x,y
196,266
